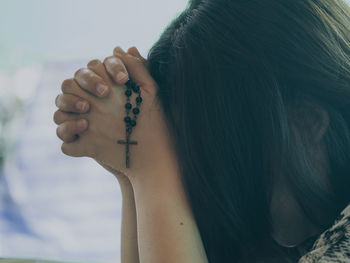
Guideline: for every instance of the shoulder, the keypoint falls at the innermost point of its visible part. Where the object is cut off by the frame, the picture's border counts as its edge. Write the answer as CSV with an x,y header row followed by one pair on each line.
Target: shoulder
x,y
333,245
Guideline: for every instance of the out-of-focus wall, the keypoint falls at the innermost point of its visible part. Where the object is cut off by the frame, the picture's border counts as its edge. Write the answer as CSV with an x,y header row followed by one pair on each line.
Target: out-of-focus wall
x,y
52,205
40,30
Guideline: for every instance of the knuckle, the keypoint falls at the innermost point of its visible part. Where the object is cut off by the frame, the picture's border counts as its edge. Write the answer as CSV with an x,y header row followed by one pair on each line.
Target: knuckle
x,y
56,117
115,66
79,72
119,61
80,125
67,84
58,132
83,105
138,61
63,133
118,51
94,63
113,62
108,59
62,102
68,101
65,89
65,149
57,100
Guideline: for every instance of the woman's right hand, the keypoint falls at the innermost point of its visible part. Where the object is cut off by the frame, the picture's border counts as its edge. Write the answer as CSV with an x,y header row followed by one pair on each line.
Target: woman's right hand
x,y
92,83
70,104
154,151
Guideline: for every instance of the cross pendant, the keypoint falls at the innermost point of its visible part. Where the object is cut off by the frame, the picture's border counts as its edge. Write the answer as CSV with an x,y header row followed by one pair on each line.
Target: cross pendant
x,y
127,143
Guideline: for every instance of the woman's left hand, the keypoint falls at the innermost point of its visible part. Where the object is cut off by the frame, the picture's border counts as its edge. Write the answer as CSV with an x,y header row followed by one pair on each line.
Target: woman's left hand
x,y
106,120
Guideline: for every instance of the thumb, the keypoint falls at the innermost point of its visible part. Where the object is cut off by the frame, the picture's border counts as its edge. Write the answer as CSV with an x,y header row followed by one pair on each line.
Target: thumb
x,y
137,70
134,51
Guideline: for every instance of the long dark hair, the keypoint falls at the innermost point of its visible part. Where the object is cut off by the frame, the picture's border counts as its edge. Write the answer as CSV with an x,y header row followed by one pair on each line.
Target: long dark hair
x,y
232,75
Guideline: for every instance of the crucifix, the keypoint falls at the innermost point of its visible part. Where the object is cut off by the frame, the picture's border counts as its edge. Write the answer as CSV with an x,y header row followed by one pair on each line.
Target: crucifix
x,y
127,143
130,123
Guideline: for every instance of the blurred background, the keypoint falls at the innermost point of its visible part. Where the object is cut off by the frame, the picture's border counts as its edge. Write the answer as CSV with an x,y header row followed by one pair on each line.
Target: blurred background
x,y
51,205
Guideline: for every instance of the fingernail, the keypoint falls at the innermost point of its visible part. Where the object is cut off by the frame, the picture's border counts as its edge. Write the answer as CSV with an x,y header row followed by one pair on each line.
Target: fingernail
x,y
57,99
119,50
121,76
137,51
102,89
83,106
81,124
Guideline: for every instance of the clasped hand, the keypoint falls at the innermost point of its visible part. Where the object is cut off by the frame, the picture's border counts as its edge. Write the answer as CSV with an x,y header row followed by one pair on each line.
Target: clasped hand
x,y
92,110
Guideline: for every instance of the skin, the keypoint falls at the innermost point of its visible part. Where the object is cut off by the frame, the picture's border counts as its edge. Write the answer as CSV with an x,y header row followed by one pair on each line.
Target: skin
x,y
146,191
165,226
108,125
69,104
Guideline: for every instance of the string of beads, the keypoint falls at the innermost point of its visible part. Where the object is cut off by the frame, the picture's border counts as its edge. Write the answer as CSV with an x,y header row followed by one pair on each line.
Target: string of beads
x,y
130,123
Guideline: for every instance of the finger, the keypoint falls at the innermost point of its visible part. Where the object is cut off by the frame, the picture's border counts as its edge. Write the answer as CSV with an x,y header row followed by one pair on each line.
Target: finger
x,y
99,68
78,148
70,86
60,116
67,131
138,71
91,82
71,103
115,67
134,52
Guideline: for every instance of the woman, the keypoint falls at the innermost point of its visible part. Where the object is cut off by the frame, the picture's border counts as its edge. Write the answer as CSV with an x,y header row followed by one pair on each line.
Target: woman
x,y
243,141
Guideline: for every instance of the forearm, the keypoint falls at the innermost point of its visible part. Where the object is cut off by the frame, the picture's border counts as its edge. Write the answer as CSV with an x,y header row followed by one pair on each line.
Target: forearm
x,y
167,231
129,248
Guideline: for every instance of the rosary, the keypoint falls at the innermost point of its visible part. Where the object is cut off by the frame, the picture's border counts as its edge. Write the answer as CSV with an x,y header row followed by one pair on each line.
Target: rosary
x,y
130,123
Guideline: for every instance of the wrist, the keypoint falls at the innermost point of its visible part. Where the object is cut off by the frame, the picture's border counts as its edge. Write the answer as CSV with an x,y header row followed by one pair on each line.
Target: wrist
x,y
123,180
125,186
165,175
162,169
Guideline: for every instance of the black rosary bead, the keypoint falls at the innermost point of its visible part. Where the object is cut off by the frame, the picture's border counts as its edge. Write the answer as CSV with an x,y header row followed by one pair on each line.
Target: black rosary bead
x,y
135,88
133,123
136,110
127,119
128,92
132,85
128,106
138,99
128,84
